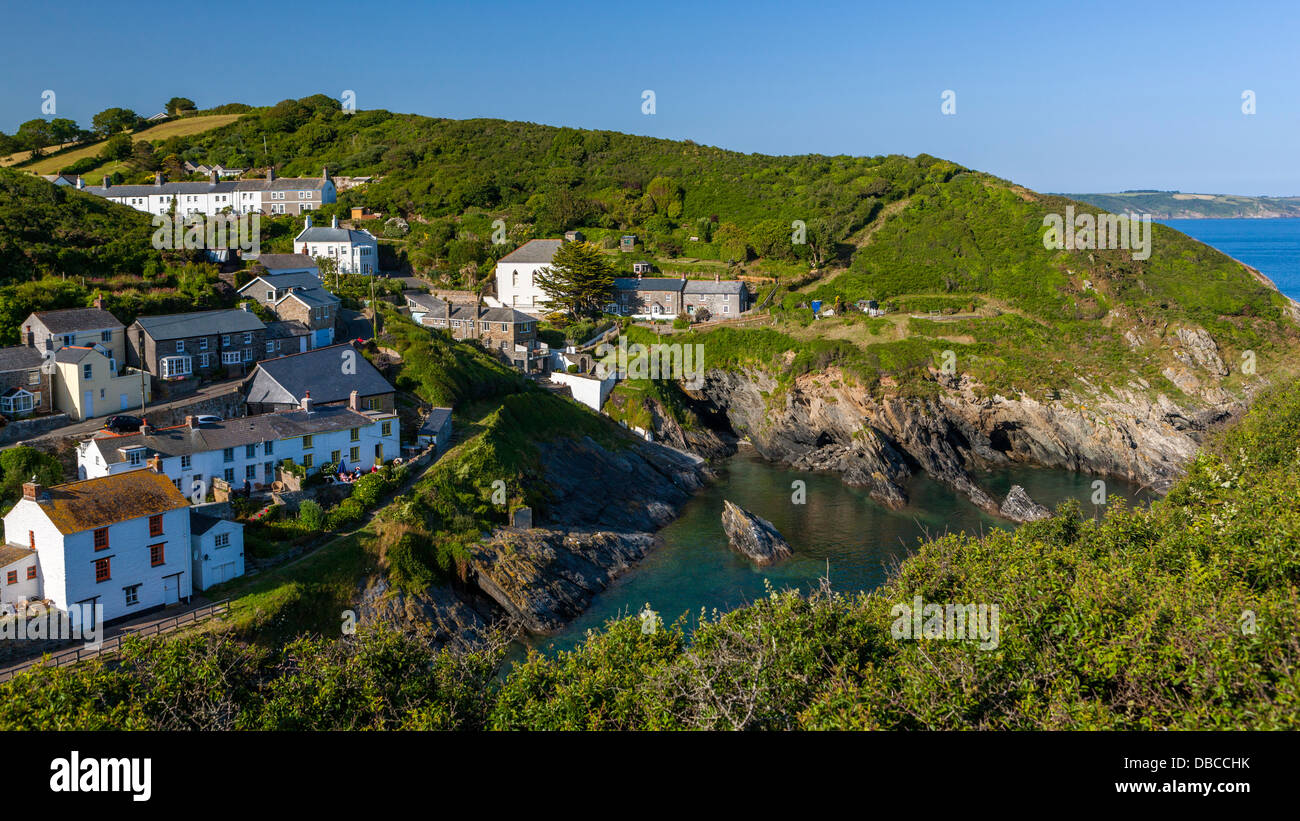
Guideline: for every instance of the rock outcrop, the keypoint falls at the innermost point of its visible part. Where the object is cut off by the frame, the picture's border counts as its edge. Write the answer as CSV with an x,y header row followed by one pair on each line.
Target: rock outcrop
x,y
1019,507
753,536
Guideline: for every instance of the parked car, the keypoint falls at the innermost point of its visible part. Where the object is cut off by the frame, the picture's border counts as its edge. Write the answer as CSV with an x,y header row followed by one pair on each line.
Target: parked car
x,y
123,424
207,419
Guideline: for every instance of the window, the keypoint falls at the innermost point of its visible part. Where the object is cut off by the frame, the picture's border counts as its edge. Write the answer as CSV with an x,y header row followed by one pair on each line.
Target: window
x,y
155,525
69,340
13,577
204,360
248,339
222,540
306,460
87,371
230,358
250,472
180,346
203,343
101,539
136,457
356,434
34,378
268,448
228,455
250,451
225,340
369,404
132,594
31,538
105,336
335,455
179,487
248,354
306,442
31,572
355,454
103,572
386,429
228,474
174,367
185,462
156,555
270,348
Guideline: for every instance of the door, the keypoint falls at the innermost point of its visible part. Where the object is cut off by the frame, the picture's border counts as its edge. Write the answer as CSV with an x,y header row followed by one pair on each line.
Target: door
x,y
171,593
124,402
88,409
223,573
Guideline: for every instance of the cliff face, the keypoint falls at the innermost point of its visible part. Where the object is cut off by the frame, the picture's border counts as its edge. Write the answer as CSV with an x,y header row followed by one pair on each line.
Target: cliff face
x,y
823,421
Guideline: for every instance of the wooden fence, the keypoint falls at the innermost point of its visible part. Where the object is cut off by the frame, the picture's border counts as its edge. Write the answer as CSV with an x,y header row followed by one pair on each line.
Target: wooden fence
x,y
78,654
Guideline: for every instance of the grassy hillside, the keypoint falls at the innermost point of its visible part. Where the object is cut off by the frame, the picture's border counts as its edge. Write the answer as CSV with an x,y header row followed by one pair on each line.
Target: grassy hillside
x,y
1178,205
183,127
1181,616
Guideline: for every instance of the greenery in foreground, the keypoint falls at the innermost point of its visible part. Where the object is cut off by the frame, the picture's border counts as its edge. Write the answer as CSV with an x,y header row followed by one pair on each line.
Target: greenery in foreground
x,y
1181,616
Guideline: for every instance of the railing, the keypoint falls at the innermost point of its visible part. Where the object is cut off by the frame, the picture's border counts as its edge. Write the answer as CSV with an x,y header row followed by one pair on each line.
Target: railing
x,y
76,655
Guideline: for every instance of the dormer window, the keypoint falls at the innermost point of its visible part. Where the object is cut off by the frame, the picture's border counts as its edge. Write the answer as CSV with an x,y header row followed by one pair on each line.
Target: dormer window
x,y
135,457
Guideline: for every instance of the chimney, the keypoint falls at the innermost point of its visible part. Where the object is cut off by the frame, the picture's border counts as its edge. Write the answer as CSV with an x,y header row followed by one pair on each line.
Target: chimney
x,y
108,182
243,306
99,301
717,277
270,173
306,402
212,176
191,422
325,172
157,178
354,400
80,184
308,225
145,428
31,337
155,463
33,490
334,223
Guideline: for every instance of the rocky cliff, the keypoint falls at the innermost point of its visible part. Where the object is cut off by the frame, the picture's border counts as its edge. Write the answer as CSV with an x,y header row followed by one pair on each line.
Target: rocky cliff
x,y
826,421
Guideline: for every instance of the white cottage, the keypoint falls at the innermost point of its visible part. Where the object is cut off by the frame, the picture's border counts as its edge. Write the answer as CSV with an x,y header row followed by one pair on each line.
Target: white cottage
x,y
517,275
122,542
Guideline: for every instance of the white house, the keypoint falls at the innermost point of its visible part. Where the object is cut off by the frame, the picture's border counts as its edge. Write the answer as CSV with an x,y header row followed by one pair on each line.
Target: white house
x,y
355,251
517,276
217,549
273,195
591,391
120,541
248,450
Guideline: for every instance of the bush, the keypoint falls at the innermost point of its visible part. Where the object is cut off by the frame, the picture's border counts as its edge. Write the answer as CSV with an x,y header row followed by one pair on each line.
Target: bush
x,y
311,516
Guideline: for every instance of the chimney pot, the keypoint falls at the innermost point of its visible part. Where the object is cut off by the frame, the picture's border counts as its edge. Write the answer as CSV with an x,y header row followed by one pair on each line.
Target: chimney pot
x,y
146,429
270,173
334,223
306,402
80,184
212,175
354,400
157,178
155,463
191,422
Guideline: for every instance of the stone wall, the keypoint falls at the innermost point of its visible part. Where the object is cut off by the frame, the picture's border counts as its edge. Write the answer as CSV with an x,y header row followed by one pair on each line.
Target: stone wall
x,y
228,405
21,429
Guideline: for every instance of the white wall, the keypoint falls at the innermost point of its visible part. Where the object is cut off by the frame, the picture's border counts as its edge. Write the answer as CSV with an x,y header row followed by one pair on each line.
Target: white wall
x,y
517,285
208,558
588,390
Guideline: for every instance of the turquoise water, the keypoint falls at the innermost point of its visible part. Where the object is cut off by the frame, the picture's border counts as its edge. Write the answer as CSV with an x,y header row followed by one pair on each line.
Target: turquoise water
x,y
839,532
1270,245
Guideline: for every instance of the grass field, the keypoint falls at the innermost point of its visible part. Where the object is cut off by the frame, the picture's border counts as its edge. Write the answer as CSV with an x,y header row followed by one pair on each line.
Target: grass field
x,y
175,128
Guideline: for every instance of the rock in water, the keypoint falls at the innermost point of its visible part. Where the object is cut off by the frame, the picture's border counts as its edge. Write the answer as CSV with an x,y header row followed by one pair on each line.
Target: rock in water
x,y
752,535
1018,506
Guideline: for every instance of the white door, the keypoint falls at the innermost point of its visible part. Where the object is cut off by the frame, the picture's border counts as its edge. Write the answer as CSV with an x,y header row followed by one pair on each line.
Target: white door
x,y
170,591
223,573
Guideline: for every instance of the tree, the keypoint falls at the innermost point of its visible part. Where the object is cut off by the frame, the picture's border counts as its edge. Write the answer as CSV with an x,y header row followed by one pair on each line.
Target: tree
x,y
20,464
579,279
35,134
110,121
180,105
118,147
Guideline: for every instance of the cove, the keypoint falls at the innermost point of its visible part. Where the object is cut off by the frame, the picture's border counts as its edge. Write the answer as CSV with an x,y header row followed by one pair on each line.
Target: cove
x,y
839,532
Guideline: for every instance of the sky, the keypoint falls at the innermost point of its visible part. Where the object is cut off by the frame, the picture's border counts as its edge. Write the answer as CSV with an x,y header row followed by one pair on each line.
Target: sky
x,y
1060,97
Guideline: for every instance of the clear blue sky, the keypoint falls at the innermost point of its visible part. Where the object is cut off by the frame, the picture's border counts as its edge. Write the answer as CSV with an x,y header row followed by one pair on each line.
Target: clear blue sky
x,y
1057,96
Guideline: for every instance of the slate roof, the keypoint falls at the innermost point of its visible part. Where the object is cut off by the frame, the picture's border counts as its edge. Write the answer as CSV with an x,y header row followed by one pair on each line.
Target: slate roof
x,y
463,311
535,250
704,286
19,358
200,524
293,279
437,418
648,284
72,320
10,553
73,353
200,323
175,188
286,379
94,503
274,262
182,440
324,233
286,329
312,297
